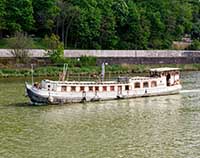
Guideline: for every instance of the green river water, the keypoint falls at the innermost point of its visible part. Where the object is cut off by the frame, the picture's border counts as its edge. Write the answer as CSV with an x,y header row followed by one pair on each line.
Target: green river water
x,y
156,127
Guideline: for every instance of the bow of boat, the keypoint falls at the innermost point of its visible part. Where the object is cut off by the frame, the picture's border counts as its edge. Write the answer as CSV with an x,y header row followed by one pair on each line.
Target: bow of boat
x,y
35,96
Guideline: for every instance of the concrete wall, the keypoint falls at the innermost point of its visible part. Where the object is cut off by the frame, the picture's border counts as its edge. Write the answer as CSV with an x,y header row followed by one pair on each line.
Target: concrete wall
x,y
113,60
127,53
114,57
131,53
111,53
6,53
148,60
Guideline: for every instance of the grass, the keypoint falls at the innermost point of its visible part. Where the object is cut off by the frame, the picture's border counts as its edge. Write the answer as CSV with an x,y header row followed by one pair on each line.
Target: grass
x,y
113,69
38,43
3,43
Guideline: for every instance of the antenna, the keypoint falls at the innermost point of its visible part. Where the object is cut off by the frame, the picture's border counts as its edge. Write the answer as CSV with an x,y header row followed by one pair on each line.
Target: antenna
x,y
102,71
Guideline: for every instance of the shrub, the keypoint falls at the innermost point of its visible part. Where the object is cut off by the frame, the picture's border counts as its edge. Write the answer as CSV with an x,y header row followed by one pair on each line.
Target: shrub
x,y
88,61
195,45
20,43
55,48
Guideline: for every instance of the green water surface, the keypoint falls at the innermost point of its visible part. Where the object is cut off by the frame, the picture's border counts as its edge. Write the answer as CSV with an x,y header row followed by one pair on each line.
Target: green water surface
x,y
166,126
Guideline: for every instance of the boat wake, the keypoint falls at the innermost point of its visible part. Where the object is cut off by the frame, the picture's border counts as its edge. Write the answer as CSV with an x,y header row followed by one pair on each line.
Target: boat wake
x,y
190,91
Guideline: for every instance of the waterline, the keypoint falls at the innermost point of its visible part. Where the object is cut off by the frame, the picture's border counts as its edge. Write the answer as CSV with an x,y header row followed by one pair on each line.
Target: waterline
x,y
190,91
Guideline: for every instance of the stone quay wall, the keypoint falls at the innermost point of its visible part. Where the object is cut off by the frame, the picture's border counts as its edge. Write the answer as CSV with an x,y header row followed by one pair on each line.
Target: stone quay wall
x,y
110,53
148,60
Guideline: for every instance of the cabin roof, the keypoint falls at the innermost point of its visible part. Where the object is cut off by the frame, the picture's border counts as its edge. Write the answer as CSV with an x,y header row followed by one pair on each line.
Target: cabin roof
x,y
80,82
164,69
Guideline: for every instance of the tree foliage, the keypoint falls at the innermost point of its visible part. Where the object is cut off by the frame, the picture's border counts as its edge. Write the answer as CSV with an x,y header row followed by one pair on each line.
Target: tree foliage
x,y
2,14
45,12
18,16
104,24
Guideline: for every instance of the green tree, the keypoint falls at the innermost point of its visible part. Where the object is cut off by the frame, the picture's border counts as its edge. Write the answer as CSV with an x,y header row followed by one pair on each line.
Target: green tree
x,y
19,15
134,32
195,45
86,27
65,18
45,12
107,37
2,14
55,48
195,32
104,24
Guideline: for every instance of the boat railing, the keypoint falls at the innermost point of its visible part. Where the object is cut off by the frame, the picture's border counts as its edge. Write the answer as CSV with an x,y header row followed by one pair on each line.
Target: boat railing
x,y
143,78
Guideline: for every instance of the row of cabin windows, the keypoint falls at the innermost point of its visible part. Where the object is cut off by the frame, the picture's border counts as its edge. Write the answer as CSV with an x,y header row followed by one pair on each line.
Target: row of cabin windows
x,y
91,88
112,88
145,84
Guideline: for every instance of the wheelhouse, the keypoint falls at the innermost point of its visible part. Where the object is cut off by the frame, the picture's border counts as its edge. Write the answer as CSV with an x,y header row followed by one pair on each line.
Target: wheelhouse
x,y
170,76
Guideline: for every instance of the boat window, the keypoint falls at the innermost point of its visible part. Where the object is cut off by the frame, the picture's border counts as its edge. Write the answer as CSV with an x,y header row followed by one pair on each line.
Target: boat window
x,y
96,88
104,88
120,88
49,87
112,88
82,88
137,85
153,84
90,88
63,88
127,87
145,85
73,88
177,73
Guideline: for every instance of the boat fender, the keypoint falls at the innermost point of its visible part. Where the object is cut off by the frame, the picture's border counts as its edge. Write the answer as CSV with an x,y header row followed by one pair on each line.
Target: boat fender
x,y
83,99
96,95
84,96
50,99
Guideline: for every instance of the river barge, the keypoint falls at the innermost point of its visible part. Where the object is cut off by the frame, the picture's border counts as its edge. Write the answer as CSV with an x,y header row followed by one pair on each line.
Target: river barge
x,y
161,81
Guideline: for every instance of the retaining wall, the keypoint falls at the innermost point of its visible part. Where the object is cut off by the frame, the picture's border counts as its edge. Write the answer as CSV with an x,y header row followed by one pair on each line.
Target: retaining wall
x,y
149,60
110,53
39,57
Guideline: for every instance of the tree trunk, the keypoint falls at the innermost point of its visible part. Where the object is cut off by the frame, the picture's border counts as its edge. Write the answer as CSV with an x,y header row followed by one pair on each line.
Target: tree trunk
x,y
63,30
67,32
57,25
1,33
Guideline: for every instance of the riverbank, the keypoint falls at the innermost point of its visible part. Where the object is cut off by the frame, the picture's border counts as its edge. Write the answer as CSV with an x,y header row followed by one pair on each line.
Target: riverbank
x,y
90,70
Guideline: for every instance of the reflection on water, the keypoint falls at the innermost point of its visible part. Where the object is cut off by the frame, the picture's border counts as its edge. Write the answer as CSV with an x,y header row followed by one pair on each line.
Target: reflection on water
x,y
166,126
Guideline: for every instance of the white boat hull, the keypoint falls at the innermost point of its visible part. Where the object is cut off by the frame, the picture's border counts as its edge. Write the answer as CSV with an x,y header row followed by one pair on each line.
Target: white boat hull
x,y
41,96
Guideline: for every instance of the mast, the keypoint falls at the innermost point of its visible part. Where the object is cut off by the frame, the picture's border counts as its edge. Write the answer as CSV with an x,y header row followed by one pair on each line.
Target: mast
x,y
103,71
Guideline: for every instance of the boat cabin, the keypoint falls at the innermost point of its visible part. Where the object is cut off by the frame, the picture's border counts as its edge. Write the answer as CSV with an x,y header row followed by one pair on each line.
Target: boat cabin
x,y
171,76
160,77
